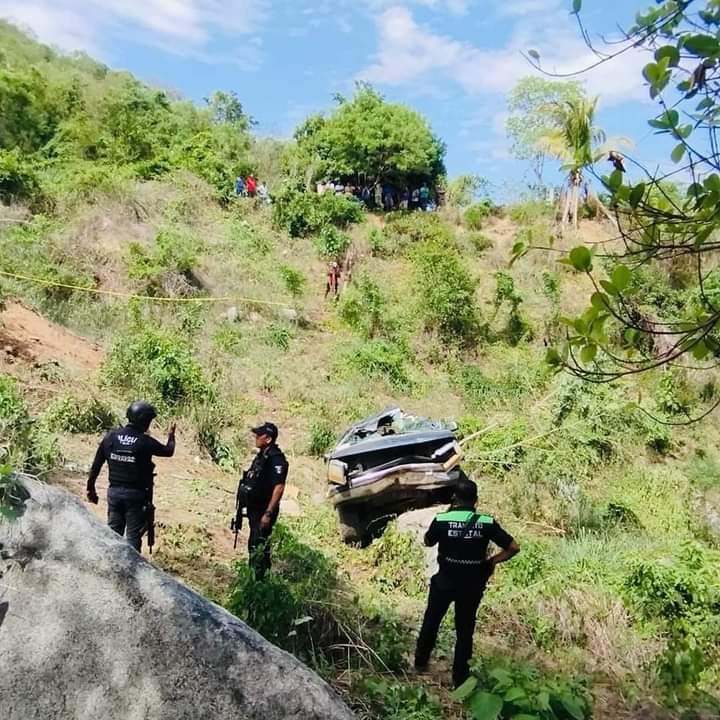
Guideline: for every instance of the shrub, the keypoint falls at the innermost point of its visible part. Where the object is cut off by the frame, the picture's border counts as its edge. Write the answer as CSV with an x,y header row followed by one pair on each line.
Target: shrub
x,y
155,364
302,213
72,415
447,293
403,230
480,242
229,338
505,690
293,280
377,242
276,335
399,562
517,327
382,359
400,701
332,243
18,181
322,437
476,214
364,307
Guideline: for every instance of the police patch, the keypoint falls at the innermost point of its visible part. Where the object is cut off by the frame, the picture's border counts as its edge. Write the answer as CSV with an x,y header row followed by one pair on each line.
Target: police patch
x,y
278,469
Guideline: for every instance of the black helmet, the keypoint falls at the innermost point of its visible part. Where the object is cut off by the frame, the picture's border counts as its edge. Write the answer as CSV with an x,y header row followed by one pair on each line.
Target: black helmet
x,y
141,413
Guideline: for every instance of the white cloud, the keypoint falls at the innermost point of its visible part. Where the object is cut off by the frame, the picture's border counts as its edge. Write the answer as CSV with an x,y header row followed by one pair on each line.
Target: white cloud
x,y
185,27
526,7
410,54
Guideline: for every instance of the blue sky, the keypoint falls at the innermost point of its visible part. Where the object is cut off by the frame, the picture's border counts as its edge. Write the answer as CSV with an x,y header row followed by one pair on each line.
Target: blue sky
x,y
454,60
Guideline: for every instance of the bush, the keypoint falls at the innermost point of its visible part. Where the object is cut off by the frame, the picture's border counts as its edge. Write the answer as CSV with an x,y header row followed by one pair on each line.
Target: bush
x,y
155,364
302,213
504,690
293,280
399,562
278,336
385,360
18,181
332,243
476,214
399,701
447,294
364,307
229,338
480,242
517,327
174,252
408,229
322,437
71,415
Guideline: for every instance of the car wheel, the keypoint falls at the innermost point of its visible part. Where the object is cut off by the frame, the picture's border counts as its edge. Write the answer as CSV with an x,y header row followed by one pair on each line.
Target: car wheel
x,y
352,528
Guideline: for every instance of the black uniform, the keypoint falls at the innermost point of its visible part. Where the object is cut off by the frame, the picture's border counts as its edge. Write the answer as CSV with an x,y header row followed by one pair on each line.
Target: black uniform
x,y
128,452
269,468
463,537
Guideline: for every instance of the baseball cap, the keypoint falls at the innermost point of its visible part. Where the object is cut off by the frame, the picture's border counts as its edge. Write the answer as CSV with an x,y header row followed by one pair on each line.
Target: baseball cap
x,y
266,428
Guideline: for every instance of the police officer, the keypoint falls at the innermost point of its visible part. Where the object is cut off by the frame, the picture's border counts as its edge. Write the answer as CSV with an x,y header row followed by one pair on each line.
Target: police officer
x,y
463,537
128,452
266,477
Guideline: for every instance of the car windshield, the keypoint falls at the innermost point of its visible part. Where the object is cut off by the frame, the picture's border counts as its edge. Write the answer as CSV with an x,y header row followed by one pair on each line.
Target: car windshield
x,y
393,422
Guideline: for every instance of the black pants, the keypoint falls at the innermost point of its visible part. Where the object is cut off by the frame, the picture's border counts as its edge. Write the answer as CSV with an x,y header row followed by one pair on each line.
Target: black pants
x,y
127,515
466,599
259,541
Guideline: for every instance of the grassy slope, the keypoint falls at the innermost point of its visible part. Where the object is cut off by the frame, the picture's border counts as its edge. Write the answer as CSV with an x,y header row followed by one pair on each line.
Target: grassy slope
x,y
561,606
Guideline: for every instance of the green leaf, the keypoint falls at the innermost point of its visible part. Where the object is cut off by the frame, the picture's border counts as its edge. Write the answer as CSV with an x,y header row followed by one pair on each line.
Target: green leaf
x,y
677,154
670,52
621,277
615,180
552,358
637,194
572,706
515,693
485,706
525,716
581,259
576,6
701,45
609,288
465,690
588,353
651,72
501,676
600,301
700,351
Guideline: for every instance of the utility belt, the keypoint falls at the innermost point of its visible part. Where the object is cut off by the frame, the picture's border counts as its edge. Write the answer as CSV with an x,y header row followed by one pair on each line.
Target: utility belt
x,y
457,561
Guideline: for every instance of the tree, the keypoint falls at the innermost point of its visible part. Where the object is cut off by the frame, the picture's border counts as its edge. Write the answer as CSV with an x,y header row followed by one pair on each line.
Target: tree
x,y
369,140
630,327
463,190
533,105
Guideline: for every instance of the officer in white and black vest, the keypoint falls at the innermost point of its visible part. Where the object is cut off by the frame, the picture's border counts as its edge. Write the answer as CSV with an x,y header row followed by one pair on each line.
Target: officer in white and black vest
x,y
463,536
128,452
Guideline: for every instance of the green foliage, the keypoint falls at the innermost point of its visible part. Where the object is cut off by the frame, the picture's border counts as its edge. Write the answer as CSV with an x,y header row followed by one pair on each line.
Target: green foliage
x,y
229,338
173,252
364,307
508,691
392,700
72,415
462,190
332,243
18,181
302,213
383,360
408,229
322,437
277,336
293,280
517,327
157,365
476,214
399,562
533,106
446,293
370,139
480,242
673,395
13,495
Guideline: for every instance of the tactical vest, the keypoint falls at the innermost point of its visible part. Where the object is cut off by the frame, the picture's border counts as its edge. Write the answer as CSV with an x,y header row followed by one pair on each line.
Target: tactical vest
x,y
129,462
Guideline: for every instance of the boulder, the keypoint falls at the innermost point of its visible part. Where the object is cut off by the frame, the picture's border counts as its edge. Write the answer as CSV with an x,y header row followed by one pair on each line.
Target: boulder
x,y
416,523
90,629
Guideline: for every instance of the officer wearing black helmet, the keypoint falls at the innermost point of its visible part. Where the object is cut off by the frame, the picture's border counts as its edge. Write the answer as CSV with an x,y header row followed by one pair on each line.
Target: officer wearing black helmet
x,y
128,452
265,481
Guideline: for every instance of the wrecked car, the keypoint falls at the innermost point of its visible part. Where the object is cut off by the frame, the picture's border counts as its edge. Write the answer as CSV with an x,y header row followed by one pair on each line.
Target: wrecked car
x,y
388,464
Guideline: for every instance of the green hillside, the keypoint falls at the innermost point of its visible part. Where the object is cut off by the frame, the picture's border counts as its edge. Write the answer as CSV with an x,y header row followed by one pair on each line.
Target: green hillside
x,y
119,224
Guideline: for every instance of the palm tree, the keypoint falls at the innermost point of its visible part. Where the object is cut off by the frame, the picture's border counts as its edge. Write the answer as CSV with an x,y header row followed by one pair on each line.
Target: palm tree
x,y
579,143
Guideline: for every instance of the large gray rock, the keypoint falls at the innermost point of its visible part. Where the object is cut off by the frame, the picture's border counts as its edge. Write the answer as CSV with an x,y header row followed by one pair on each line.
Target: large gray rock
x,y
89,629
416,523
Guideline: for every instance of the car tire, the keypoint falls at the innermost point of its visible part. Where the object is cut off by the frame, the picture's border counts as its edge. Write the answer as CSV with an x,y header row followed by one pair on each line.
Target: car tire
x,y
351,526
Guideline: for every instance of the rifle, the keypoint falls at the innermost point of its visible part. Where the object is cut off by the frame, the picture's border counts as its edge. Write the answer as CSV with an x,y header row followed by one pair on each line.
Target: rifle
x,y
150,520
241,499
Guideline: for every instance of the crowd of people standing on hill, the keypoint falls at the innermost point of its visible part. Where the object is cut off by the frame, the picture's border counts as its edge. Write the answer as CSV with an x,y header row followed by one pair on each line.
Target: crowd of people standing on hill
x,y
251,187
386,195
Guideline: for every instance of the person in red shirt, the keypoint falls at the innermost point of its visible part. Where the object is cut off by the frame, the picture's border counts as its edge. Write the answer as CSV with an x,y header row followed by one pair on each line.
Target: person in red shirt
x,y
251,185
